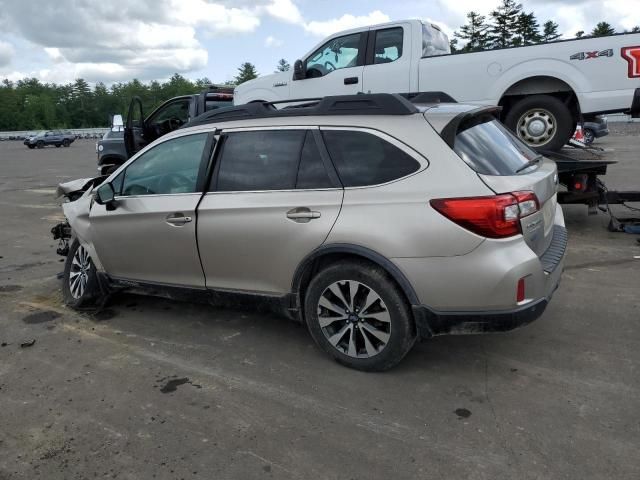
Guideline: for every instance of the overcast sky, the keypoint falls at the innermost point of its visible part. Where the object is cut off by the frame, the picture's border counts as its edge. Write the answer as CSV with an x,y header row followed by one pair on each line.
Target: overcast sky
x,y
109,41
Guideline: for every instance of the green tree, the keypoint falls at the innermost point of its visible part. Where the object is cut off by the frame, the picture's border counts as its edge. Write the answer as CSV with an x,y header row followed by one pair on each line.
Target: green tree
x,y
603,29
504,24
246,71
474,32
636,29
550,31
453,45
528,29
580,34
283,66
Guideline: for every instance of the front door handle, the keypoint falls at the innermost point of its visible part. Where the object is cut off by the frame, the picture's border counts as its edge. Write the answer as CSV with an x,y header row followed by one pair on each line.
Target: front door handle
x,y
177,219
351,80
302,215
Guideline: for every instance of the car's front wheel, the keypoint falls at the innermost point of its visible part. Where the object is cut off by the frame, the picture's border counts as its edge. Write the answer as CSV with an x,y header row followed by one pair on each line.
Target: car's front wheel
x,y
40,144
65,143
80,286
589,136
357,314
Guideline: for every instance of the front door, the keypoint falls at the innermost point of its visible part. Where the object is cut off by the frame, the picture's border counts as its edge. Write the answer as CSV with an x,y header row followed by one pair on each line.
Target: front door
x,y
150,236
333,69
272,201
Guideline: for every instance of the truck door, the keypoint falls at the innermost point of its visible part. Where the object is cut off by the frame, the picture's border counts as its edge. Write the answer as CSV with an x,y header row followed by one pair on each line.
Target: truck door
x,y
388,60
134,139
333,69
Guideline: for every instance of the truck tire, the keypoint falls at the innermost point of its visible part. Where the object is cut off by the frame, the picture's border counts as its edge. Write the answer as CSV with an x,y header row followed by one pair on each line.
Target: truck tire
x,y
40,144
65,143
541,121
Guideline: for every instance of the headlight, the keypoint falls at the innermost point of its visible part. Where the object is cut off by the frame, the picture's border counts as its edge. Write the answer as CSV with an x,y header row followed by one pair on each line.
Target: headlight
x,y
100,148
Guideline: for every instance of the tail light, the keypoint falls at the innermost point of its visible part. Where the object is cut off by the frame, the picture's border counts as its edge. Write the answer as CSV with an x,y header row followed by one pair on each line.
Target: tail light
x,y
632,56
579,182
497,216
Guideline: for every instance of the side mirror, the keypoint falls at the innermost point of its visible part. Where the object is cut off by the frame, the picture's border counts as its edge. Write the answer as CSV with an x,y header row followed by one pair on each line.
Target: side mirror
x,y
105,195
298,70
117,124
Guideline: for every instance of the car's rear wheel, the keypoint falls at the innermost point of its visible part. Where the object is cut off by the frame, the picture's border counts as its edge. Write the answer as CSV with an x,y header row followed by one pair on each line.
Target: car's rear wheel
x,y
40,144
65,143
543,122
356,313
80,286
589,136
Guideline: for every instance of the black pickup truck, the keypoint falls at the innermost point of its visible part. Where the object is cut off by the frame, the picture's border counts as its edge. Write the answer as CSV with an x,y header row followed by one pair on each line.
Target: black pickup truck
x,y
139,130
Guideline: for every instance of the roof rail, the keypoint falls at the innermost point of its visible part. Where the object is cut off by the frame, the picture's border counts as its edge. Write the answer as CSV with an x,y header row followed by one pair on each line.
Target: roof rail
x,y
361,104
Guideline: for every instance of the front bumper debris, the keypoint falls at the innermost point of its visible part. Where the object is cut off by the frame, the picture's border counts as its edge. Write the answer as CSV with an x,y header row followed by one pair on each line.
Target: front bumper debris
x,y
62,233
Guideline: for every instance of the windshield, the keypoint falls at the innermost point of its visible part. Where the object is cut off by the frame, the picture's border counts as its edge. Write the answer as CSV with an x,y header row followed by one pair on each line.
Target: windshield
x,y
490,148
434,42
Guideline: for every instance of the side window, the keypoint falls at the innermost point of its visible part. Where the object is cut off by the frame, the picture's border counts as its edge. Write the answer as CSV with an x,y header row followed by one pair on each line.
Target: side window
x,y
311,173
365,159
173,111
388,45
259,160
170,167
341,52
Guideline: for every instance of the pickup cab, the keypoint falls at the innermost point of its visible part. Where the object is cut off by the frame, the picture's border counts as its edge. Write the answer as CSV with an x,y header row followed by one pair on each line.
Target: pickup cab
x,y
544,90
139,130
50,137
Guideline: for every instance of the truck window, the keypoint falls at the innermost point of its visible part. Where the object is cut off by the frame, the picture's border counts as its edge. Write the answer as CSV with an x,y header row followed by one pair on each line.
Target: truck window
x,y
434,42
490,148
388,45
337,53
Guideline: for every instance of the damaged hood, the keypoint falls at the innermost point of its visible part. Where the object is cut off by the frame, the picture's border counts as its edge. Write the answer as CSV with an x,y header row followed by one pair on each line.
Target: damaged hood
x,y
78,187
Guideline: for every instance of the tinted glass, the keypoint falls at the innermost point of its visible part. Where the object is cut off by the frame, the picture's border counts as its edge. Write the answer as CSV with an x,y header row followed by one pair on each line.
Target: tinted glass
x,y
265,160
171,167
341,52
173,111
365,159
388,46
490,149
312,173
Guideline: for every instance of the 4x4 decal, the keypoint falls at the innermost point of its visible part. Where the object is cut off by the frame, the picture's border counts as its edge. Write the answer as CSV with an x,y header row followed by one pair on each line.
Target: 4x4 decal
x,y
593,54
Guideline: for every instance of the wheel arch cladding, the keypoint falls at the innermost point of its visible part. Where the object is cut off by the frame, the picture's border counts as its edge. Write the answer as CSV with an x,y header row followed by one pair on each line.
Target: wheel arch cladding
x,y
342,251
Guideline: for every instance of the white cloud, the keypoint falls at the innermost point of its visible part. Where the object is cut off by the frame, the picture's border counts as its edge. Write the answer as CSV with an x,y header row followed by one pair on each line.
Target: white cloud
x,y
345,22
6,53
215,18
272,42
284,10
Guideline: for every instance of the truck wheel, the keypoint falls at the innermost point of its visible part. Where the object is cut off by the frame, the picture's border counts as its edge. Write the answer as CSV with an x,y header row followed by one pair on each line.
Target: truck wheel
x,y
357,315
80,286
65,143
543,122
40,144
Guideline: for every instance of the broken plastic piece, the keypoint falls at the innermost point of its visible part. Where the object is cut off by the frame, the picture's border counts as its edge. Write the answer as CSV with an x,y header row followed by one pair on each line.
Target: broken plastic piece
x,y
29,343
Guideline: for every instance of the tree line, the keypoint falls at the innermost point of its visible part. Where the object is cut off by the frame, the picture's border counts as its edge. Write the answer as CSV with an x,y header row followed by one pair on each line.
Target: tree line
x,y
509,25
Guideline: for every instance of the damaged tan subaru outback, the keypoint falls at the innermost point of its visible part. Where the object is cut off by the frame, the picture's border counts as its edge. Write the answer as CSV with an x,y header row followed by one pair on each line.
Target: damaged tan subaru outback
x,y
374,220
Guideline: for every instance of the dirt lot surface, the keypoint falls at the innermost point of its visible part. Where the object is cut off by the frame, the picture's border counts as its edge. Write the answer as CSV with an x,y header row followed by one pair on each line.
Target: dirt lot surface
x,y
151,388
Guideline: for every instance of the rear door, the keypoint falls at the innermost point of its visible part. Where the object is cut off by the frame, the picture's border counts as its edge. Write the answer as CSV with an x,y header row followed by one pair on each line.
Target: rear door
x,y
501,160
388,60
273,199
151,234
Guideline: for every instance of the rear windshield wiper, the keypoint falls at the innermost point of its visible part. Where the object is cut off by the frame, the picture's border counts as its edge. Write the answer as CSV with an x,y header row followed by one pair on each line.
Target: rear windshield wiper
x,y
530,163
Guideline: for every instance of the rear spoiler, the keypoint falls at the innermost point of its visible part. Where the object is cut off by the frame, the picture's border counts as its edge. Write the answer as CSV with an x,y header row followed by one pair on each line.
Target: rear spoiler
x,y
450,130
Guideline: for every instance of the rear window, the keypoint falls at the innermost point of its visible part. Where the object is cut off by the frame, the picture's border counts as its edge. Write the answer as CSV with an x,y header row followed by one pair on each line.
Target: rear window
x,y
490,148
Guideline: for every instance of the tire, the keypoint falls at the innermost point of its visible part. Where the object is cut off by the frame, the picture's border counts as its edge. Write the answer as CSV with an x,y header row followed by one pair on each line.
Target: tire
x,y
359,341
40,144
589,136
79,262
57,145
543,122
31,147
65,143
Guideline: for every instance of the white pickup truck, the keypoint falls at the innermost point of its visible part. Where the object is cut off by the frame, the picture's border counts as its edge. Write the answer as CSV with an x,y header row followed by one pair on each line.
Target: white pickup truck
x,y
545,89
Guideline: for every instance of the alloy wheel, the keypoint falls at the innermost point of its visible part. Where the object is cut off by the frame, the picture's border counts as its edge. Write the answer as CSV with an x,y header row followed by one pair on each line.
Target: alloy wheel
x,y
537,127
79,273
354,319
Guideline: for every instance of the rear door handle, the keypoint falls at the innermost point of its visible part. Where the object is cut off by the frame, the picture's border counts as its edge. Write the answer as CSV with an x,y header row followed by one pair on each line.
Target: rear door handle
x,y
351,80
302,215
177,219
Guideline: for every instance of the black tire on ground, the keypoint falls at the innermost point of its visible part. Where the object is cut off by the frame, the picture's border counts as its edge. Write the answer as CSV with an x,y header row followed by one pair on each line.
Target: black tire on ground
x,y
65,143
401,331
31,146
589,136
58,145
91,292
40,144
545,103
